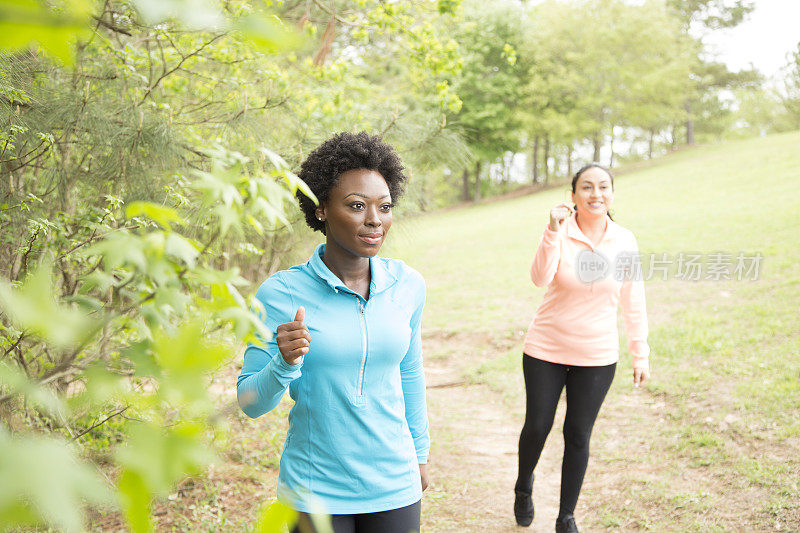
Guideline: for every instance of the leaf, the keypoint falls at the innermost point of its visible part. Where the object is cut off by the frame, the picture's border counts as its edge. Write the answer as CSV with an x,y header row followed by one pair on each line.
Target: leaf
x,y
225,295
135,498
98,279
45,474
186,357
275,517
267,32
256,225
447,7
162,456
228,219
188,350
120,250
88,303
101,384
143,359
296,183
182,248
16,382
246,326
277,161
33,308
160,214
172,297
27,22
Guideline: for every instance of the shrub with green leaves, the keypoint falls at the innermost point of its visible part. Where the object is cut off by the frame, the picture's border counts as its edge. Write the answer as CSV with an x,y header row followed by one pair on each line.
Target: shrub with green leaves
x,y
146,319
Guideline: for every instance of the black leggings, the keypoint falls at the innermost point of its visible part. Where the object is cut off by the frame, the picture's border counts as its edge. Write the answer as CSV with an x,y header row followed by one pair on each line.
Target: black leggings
x,y
586,388
402,520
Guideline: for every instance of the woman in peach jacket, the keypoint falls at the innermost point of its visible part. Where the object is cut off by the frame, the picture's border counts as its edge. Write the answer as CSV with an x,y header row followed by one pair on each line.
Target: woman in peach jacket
x,y
589,264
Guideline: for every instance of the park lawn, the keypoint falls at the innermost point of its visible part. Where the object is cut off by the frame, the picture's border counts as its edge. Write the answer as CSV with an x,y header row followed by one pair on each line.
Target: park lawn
x,y
713,443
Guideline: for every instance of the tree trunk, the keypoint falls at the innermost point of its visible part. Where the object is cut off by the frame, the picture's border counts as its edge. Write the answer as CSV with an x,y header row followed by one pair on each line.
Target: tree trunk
x,y
596,144
546,159
650,145
569,160
536,159
465,185
689,124
477,193
611,146
508,159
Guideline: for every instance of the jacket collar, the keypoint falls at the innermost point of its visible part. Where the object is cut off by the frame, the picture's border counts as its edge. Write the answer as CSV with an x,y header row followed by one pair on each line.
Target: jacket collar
x,y
574,231
380,276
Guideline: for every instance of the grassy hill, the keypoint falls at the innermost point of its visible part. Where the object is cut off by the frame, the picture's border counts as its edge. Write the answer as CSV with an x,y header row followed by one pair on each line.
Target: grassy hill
x,y
714,441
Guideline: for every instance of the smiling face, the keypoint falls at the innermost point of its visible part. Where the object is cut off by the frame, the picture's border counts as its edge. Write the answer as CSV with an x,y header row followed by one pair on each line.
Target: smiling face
x,y
594,193
357,213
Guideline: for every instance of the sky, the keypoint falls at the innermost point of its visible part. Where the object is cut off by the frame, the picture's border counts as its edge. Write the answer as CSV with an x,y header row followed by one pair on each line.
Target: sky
x,y
764,39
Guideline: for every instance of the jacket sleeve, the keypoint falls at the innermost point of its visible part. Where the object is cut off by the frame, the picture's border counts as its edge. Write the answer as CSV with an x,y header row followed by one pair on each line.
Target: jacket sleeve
x,y
413,381
634,311
265,374
545,262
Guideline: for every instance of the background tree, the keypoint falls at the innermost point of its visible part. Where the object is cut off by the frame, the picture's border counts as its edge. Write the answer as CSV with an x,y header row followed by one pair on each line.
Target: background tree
x,y
790,93
490,87
698,17
605,64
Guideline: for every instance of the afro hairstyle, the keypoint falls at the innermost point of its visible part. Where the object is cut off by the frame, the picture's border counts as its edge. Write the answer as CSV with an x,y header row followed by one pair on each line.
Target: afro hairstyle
x,y
342,152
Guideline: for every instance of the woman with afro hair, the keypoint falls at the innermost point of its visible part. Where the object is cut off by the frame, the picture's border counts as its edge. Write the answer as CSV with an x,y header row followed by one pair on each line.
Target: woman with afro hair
x,y
346,343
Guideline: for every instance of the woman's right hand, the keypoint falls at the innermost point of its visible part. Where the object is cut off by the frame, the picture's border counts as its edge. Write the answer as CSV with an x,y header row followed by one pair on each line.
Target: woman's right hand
x,y
293,338
559,214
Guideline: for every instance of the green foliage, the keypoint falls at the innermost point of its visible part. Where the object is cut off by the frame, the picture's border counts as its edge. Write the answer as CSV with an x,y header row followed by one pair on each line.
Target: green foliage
x,y
153,460
55,31
615,70
33,309
276,516
43,477
712,14
790,95
133,179
159,324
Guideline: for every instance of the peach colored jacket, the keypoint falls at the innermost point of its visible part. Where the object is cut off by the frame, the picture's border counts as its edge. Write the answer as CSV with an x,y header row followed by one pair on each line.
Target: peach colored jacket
x,y
576,323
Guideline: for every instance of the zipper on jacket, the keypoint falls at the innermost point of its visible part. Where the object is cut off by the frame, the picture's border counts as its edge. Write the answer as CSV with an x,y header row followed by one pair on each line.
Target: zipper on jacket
x,y
364,344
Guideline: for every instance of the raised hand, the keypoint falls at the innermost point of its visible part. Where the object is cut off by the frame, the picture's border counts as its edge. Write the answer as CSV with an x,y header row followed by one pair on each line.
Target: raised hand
x,y
293,338
559,214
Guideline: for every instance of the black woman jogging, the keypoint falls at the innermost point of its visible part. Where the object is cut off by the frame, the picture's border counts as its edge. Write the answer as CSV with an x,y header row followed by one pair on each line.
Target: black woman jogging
x,y
347,344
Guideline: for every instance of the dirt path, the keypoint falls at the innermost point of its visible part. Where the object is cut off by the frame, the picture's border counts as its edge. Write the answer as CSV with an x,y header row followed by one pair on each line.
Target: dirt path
x,y
474,458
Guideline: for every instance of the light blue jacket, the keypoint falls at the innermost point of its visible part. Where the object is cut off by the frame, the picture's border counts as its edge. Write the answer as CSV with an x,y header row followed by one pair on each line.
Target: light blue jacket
x,y
359,427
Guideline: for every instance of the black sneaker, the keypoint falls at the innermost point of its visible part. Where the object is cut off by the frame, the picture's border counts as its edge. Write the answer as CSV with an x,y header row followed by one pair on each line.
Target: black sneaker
x,y
523,508
566,524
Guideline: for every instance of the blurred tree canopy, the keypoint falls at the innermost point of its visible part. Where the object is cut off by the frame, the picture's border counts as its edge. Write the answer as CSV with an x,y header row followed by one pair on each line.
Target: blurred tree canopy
x,y
790,95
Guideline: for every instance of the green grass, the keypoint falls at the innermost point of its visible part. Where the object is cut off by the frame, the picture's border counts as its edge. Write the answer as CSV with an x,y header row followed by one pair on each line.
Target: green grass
x,y
719,425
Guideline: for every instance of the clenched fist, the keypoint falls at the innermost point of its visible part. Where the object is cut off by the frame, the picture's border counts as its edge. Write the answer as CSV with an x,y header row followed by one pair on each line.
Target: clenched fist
x,y
559,214
293,338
